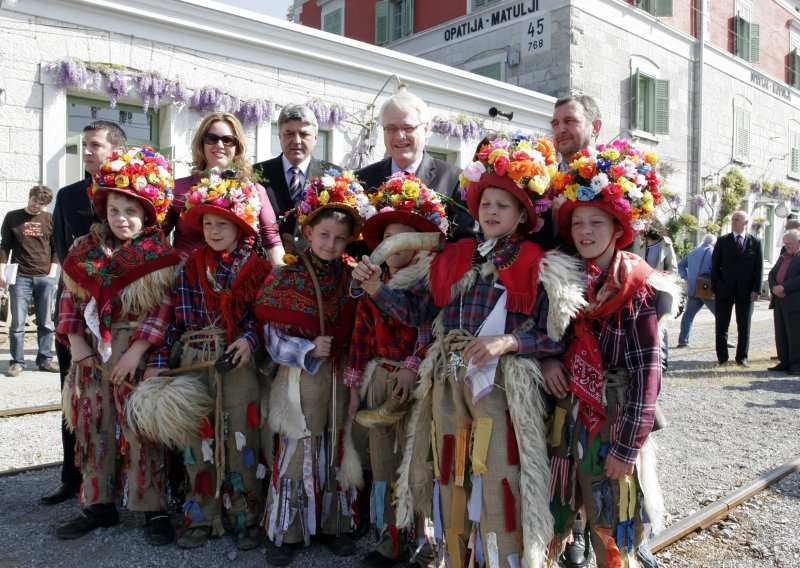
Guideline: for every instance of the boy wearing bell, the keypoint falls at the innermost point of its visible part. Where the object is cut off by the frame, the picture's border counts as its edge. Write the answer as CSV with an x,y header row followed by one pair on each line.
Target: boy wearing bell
x,y
308,315
385,354
214,294
115,306
488,301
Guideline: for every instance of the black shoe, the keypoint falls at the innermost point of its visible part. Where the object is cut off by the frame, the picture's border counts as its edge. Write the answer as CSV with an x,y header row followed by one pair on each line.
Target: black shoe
x,y
339,545
60,494
575,553
743,363
681,346
91,518
158,528
731,345
280,555
778,368
722,363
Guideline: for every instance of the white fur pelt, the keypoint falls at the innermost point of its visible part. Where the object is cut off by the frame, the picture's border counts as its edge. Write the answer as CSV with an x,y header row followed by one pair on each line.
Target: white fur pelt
x,y
526,406
648,481
351,475
285,415
563,278
668,295
67,392
369,372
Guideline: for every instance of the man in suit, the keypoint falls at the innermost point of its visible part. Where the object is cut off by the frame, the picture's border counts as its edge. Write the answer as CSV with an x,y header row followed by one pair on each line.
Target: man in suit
x,y
784,282
736,276
405,119
72,217
285,176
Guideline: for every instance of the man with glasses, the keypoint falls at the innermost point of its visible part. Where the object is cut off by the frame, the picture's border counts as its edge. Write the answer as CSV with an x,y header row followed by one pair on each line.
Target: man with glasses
x,y
286,175
405,119
72,217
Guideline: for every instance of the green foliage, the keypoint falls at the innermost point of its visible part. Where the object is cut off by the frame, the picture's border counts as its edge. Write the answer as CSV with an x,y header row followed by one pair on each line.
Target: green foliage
x,y
683,248
713,227
734,182
731,202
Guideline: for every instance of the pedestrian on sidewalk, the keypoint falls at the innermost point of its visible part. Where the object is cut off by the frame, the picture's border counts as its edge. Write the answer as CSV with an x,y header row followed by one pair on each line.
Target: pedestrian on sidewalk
x,y
27,240
784,282
697,262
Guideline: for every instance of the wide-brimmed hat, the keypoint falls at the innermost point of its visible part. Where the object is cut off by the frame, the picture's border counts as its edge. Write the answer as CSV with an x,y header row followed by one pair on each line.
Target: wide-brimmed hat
x,y
334,190
404,199
227,194
617,178
140,173
522,166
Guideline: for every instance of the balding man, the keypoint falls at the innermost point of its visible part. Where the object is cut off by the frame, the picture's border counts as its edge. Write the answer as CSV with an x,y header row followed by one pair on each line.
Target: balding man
x,y
736,275
695,263
784,283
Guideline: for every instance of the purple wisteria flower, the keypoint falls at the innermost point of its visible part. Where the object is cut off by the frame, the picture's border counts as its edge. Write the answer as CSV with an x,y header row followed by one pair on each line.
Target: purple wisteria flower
x,y
152,86
675,200
255,112
70,73
756,188
699,201
795,201
116,86
461,128
180,93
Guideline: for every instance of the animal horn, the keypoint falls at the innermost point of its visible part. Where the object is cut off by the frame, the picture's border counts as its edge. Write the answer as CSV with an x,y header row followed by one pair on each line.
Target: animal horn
x,y
405,241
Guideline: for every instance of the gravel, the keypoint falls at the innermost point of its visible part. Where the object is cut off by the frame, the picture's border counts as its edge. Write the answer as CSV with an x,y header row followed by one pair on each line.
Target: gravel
x,y
727,426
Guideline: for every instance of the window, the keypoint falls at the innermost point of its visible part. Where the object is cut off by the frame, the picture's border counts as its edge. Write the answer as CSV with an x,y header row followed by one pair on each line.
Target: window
x,y
321,151
481,4
794,61
493,71
659,8
332,22
394,20
449,157
140,128
741,133
651,101
746,34
794,153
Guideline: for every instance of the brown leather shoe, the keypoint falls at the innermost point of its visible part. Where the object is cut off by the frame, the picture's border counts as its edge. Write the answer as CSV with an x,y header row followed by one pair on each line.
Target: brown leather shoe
x,y
390,412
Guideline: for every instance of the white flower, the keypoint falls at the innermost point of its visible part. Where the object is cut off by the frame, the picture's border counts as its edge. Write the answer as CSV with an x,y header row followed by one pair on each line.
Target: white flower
x,y
327,181
137,161
638,225
599,182
635,193
474,171
641,181
117,165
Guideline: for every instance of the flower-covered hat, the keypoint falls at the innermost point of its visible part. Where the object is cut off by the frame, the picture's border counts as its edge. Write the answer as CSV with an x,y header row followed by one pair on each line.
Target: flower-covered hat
x,y
403,199
616,177
141,173
227,194
334,190
522,166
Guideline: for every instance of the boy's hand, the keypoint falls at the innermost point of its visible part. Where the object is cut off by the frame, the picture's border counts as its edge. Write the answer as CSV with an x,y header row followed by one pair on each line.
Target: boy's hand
x,y
243,352
556,381
616,469
355,402
322,346
126,367
369,274
82,352
481,350
404,380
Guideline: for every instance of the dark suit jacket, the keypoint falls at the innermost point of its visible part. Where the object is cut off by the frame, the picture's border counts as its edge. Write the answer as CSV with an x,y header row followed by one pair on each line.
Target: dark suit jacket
x,y
735,275
438,176
791,282
72,216
274,180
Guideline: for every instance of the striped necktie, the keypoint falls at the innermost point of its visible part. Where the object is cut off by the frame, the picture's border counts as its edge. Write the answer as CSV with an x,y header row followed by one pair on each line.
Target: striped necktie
x,y
295,186
739,243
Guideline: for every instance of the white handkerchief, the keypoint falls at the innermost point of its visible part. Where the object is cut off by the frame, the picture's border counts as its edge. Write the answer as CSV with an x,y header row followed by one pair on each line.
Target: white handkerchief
x,y
92,317
480,381
261,471
208,453
241,441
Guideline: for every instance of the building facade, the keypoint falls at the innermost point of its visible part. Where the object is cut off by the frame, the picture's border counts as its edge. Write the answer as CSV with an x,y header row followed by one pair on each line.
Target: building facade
x,y
709,85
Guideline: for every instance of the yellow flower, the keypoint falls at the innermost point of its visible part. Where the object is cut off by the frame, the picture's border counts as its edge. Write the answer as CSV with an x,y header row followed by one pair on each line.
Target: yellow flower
x,y
538,184
625,184
524,145
121,181
610,154
410,189
463,181
395,199
647,202
496,153
571,191
289,258
324,197
650,158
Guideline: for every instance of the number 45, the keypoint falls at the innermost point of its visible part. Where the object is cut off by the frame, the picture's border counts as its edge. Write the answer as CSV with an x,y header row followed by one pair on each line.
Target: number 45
x,y
538,29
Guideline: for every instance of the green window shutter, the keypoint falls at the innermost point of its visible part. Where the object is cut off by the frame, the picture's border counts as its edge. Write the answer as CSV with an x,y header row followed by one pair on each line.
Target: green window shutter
x,y
662,106
795,58
755,43
332,22
637,110
742,39
794,165
408,17
742,134
663,8
478,4
492,71
382,22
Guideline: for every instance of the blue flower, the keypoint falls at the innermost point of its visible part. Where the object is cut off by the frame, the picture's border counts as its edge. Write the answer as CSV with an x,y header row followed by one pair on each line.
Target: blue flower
x,y
644,168
603,165
585,193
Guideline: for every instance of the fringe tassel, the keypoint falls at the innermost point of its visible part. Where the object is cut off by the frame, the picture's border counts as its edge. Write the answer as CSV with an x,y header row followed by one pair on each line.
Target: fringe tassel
x,y
202,484
511,440
446,466
509,507
395,534
206,431
252,415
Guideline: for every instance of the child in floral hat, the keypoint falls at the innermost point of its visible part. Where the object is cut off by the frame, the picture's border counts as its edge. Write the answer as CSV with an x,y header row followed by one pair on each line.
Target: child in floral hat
x,y
214,297
316,470
611,376
385,354
116,305
497,303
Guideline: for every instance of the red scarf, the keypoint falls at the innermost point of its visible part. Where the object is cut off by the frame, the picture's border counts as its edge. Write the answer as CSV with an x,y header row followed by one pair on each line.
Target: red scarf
x,y
233,302
520,276
627,275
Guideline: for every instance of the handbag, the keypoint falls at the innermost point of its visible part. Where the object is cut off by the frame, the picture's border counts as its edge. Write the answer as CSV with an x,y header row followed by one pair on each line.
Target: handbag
x,y
11,271
702,284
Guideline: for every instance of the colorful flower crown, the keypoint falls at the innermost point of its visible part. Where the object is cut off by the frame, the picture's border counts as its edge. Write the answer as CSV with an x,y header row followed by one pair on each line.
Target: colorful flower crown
x,y
140,172
228,190
528,162
406,192
617,173
334,189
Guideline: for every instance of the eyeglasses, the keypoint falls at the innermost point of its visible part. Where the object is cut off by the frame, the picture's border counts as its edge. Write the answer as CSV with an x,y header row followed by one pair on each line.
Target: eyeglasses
x,y
407,129
227,140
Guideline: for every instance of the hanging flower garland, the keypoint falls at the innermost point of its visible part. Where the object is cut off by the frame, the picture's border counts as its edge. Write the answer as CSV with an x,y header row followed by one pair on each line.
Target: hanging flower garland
x,y
327,114
462,127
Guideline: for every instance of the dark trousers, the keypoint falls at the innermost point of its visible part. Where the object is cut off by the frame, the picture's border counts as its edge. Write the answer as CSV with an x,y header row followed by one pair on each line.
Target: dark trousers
x,y
722,320
69,473
787,335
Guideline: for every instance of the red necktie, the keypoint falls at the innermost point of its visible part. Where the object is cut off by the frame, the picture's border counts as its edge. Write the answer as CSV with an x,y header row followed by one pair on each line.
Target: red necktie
x,y
739,243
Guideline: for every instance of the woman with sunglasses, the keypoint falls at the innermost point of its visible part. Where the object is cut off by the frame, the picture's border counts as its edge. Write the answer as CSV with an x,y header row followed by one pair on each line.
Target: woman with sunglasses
x,y
220,142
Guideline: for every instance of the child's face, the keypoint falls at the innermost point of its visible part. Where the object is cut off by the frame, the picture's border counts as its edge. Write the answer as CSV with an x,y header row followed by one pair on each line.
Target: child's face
x,y
499,212
125,215
403,258
328,238
220,233
594,232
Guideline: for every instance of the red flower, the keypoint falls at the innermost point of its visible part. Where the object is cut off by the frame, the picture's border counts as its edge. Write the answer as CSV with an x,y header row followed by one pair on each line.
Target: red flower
x,y
500,165
612,192
406,205
427,207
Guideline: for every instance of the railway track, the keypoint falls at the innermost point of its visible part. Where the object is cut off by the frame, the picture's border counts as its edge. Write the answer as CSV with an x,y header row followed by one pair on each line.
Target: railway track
x,y
9,412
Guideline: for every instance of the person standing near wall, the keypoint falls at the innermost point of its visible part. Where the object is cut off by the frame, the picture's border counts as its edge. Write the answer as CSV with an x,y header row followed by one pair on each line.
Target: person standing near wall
x,y
784,282
690,267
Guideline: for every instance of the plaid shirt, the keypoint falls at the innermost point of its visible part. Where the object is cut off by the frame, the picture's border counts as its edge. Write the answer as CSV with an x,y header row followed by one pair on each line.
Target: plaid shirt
x,y
415,306
152,329
632,342
191,313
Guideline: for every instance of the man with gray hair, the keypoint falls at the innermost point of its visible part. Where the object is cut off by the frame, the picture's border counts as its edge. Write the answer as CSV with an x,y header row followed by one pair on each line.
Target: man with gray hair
x,y
405,119
695,263
784,283
285,176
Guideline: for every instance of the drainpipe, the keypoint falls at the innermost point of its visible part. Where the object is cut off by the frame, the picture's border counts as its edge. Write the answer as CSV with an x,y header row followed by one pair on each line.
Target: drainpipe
x,y
700,45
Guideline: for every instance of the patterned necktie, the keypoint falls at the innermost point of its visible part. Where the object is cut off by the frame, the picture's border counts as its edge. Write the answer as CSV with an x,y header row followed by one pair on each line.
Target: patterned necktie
x,y
739,243
295,187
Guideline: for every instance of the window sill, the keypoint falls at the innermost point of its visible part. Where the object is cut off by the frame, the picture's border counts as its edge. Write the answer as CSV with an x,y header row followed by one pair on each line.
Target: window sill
x,y
644,135
793,175
741,161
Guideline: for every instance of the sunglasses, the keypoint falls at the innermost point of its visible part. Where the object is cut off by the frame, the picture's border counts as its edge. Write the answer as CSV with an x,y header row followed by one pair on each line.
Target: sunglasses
x,y
227,140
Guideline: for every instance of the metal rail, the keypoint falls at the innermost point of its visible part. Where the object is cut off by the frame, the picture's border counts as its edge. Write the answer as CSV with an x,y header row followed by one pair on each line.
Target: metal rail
x,y
29,410
26,469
